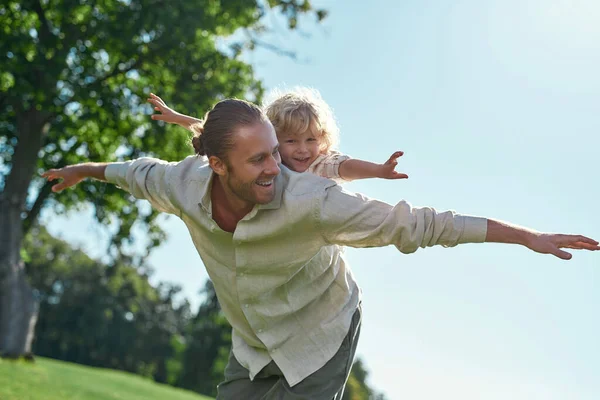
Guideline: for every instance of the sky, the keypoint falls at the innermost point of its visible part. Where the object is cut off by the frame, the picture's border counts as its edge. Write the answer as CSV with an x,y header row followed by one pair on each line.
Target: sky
x,y
495,104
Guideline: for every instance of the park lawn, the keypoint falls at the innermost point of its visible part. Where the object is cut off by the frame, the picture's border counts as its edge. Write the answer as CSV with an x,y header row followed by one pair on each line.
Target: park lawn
x,y
48,379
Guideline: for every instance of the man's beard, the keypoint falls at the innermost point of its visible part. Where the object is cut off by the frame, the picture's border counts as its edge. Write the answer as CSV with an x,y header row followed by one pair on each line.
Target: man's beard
x,y
243,191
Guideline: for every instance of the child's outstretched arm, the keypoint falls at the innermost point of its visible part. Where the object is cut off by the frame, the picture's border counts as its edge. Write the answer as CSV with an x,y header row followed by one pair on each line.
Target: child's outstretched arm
x,y
359,169
169,115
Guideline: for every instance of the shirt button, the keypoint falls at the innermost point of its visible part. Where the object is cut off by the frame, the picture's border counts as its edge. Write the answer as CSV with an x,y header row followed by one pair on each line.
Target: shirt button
x,y
241,274
246,305
260,331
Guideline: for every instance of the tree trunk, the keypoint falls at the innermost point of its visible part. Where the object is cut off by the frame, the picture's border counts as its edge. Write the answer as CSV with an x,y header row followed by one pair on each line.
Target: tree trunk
x,y
18,307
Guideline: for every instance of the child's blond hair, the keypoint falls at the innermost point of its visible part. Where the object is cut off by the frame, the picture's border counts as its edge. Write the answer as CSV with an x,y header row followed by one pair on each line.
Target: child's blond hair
x,y
301,109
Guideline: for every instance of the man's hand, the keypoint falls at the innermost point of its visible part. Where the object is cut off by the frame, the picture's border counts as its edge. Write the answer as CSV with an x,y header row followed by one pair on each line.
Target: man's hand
x,y
549,243
387,170
73,174
545,243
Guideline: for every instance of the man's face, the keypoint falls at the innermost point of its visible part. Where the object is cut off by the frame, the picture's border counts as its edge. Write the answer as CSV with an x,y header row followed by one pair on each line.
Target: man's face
x,y
253,164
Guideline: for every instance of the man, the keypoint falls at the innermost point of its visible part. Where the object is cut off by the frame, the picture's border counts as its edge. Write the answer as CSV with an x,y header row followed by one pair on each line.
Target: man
x,y
270,240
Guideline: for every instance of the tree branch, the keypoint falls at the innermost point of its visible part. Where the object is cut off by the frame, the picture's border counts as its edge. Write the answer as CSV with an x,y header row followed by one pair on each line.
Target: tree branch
x,y
95,84
116,71
3,100
271,47
45,26
32,215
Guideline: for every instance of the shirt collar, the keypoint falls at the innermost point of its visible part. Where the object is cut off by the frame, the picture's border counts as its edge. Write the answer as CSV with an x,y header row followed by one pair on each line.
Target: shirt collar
x,y
205,201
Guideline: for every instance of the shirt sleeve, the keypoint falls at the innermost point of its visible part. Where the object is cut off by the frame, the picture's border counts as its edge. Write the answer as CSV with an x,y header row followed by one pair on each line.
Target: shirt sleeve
x,y
328,166
351,219
144,178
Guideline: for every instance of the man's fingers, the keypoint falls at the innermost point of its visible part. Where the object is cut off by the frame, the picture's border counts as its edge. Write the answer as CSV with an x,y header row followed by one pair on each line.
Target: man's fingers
x,y
52,175
575,239
562,254
59,186
587,246
586,239
578,242
398,176
158,117
582,246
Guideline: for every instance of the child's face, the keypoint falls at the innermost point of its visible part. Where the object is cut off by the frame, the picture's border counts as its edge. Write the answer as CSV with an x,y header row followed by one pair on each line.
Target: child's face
x,y
298,151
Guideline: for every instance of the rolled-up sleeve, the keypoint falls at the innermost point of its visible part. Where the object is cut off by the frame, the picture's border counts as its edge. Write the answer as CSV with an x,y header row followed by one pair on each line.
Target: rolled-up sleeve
x,y
351,219
328,166
144,178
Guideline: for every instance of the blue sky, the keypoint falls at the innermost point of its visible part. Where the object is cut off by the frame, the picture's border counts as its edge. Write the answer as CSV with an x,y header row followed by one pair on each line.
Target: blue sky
x,y
495,104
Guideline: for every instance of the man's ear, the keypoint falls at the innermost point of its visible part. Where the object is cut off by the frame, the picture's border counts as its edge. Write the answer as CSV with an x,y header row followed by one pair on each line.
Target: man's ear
x,y
217,165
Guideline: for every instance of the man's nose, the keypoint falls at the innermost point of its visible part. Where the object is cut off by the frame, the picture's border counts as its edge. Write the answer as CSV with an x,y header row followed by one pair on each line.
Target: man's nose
x,y
273,166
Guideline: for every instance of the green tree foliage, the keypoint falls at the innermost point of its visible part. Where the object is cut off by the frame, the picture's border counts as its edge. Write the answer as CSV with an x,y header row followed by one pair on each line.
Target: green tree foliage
x,y
87,67
357,387
74,76
102,316
209,343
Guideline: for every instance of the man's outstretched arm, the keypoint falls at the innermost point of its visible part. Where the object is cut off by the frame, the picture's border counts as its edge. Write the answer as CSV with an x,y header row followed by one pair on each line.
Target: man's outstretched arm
x,y
73,174
144,178
351,219
545,243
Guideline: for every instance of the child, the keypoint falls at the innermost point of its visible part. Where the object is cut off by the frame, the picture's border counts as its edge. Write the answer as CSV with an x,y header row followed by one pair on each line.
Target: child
x,y
307,134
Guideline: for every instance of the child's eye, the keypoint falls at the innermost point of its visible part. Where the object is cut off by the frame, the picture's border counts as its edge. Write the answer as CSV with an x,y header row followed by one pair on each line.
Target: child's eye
x,y
312,139
290,141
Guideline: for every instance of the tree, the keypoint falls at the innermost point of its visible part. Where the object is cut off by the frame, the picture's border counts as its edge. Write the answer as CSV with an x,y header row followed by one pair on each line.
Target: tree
x,y
208,342
99,315
357,387
73,77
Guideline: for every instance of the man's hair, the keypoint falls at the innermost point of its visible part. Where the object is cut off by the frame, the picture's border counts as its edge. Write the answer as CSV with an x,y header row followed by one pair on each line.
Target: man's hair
x,y
214,136
296,111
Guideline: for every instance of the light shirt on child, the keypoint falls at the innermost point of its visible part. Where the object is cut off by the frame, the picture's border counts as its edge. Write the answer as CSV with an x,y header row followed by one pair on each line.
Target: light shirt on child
x,y
328,166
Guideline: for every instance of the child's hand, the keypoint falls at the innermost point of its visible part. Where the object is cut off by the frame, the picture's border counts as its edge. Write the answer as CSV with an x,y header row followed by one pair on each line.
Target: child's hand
x,y
166,114
387,170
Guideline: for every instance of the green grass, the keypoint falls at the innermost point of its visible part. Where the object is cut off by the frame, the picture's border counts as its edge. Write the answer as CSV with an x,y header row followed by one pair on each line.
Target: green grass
x,y
57,380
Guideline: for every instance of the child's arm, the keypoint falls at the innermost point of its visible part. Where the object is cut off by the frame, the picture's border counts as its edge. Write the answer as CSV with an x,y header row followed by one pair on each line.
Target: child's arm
x,y
359,169
169,115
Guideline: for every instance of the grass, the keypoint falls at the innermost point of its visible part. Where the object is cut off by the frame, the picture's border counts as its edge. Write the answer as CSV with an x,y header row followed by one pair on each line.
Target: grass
x,y
48,379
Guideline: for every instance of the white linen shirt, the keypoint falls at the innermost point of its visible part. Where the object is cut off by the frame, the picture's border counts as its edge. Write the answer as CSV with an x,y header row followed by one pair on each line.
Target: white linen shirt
x,y
281,277
328,166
